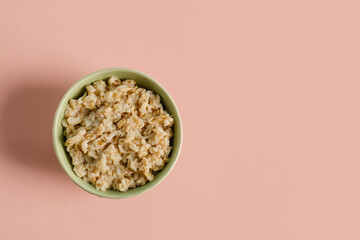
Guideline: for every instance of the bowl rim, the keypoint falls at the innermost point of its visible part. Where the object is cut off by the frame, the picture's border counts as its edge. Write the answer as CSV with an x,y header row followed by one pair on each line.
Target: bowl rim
x,y
77,180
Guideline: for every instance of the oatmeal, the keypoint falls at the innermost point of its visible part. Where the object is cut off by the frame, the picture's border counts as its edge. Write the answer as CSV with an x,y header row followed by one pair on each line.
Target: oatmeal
x,y
117,134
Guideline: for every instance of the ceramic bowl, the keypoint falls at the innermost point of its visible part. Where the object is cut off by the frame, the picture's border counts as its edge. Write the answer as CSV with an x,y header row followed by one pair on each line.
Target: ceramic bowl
x,y
77,90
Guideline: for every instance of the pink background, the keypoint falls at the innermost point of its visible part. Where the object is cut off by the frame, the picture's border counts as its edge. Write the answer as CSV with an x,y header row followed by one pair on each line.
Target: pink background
x,y
269,97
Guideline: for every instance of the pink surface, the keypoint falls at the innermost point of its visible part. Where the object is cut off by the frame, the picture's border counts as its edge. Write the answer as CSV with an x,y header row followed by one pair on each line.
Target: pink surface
x,y
269,97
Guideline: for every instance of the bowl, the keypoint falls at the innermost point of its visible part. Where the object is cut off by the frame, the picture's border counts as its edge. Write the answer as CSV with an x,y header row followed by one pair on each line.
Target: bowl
x,y
77,90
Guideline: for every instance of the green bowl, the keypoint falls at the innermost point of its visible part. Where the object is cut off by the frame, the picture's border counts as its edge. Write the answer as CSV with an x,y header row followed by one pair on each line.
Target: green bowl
x,y
77,90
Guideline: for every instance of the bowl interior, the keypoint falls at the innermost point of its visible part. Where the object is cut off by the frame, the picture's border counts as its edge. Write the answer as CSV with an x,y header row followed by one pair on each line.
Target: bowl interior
x,y
77,90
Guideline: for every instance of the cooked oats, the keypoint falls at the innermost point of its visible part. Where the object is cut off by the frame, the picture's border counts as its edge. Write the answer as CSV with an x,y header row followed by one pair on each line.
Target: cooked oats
x,y
117,134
